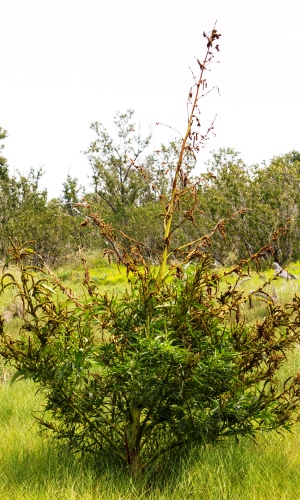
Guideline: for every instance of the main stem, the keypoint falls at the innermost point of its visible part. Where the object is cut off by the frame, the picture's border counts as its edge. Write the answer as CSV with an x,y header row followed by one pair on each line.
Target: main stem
x,y
169,208
133,436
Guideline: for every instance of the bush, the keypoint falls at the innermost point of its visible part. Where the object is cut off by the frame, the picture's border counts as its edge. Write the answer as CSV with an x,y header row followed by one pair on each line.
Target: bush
x,y
169,362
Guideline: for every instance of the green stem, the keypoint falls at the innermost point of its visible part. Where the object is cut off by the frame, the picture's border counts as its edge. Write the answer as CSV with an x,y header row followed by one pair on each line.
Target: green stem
x,y
133,439
169,209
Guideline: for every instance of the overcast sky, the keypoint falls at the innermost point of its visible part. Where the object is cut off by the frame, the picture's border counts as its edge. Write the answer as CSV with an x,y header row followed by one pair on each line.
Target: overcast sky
x,y
66,63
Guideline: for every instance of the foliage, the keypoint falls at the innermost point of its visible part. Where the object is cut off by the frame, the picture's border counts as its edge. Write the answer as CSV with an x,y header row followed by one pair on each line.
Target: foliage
x,y
154,369
276,200
21,199
115,180
54,226
269,193
172,361
26,214
3,161
71,192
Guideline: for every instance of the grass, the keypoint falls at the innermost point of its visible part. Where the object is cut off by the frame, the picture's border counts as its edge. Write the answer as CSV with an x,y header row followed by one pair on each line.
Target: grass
x,y
33,468
280,290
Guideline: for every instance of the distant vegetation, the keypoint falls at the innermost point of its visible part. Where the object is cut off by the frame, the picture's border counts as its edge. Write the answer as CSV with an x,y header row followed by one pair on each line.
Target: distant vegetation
x,y
129,197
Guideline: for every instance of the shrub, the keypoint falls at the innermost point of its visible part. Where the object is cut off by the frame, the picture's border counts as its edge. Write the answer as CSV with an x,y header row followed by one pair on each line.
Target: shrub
x,y
169,362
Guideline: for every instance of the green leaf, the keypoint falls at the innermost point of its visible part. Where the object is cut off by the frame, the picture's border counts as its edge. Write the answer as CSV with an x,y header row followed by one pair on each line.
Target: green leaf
x,y
78,358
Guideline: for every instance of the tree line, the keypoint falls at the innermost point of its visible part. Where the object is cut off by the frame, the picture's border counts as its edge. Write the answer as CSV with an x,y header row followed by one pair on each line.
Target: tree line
x,y
128,185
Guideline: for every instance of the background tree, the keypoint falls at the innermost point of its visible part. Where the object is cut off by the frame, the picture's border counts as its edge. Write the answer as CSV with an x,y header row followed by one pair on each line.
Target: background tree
x,y
268,192
72,192
226,189
276,201
115,179
3,160
26,215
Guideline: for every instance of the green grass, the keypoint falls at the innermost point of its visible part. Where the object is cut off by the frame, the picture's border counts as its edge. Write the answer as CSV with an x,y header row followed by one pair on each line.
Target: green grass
x,y
280,290
108,277
33,468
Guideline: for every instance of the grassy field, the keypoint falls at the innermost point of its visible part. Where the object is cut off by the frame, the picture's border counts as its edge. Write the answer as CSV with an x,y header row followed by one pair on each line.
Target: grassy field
x,y
32,467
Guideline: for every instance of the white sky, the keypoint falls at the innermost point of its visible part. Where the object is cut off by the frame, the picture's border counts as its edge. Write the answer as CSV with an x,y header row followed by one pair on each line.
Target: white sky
x,y
66,63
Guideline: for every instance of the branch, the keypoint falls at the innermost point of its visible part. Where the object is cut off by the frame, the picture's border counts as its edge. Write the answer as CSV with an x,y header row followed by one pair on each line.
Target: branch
x,y
105,436
108,202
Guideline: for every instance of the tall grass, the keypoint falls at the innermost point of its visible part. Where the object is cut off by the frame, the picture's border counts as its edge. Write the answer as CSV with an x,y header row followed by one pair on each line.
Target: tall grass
x,y
33,468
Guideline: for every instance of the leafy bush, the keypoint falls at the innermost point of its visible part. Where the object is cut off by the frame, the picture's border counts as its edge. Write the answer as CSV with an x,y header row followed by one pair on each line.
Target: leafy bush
x,y
153,369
